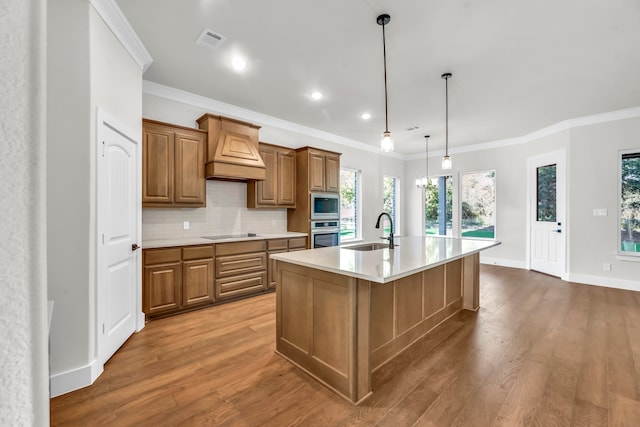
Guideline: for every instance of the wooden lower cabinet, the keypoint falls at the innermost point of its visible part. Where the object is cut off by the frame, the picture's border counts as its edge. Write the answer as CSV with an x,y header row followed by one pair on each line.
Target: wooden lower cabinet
x,y
177,279
184,278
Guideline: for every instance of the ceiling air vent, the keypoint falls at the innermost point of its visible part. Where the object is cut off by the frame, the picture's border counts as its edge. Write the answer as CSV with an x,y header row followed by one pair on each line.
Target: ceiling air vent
x,y
210,39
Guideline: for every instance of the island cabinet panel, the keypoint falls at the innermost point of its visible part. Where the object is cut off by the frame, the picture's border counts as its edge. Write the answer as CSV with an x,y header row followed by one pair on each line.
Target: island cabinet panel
x,y
382,322
317,325
433,290
471,282
331,328
408,303
453,279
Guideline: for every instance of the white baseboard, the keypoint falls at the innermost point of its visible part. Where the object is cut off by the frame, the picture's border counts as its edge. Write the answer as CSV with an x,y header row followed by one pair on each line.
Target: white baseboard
x,y
140,321
75,379
503,262
607,282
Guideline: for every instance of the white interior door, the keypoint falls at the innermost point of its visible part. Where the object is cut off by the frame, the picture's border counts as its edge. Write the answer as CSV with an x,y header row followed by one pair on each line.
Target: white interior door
x,y
547,213
118,259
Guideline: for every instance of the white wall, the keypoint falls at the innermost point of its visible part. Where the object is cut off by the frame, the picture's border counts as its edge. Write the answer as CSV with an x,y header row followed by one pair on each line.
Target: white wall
x,y
592,155
373,166
88,68
23,306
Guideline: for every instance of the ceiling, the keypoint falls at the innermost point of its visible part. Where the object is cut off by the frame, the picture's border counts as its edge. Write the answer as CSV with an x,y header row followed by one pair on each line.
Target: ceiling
x,y
517,66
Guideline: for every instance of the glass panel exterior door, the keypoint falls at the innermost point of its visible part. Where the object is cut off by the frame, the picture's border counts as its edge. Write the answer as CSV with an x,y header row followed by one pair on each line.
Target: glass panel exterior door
x,y
546,193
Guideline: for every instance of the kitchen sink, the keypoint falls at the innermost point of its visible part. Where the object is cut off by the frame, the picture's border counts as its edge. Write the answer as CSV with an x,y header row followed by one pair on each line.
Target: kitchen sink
x,y
367,247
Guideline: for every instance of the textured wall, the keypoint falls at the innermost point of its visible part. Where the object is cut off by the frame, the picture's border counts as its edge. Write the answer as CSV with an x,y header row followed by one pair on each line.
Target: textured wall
x,y
23,310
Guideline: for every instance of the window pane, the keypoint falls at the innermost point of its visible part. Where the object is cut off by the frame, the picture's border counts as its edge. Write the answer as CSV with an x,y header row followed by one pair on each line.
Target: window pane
x,y
349,204
478,204
390,202
630,203
438,206
546,193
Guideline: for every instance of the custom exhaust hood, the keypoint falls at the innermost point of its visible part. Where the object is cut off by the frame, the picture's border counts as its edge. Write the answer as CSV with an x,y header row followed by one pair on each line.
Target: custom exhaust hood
x,y
232,149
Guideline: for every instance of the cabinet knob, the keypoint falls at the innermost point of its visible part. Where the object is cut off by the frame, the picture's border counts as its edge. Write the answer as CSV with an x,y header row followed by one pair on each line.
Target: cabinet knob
x,y
135,247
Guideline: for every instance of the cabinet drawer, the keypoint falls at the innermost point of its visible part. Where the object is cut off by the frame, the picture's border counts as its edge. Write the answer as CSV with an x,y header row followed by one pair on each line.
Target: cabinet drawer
x,y
236,286
161,256
297,243
241,247
277,245
197,252
240,264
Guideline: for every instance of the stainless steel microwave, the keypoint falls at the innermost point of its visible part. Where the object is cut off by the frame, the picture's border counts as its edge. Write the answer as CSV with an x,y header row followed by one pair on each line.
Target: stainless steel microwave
x,y
325,206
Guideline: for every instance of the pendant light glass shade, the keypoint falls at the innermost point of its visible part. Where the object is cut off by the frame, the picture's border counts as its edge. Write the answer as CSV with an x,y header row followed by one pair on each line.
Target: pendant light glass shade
x,y
386,143
422,182
447,164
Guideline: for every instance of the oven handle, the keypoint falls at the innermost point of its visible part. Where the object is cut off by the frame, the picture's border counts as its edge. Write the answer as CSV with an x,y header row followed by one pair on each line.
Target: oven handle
x,y
325,230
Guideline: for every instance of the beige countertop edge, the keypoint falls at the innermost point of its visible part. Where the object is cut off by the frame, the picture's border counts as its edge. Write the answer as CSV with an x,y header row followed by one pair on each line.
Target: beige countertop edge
x,y
190,241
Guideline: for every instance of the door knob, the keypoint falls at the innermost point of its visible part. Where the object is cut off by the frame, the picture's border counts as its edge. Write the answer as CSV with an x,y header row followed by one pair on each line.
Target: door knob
x,y
135,247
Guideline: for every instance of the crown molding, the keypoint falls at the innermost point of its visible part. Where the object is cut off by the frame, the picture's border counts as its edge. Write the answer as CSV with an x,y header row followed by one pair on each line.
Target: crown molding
x,y
240,113
218,107
113,17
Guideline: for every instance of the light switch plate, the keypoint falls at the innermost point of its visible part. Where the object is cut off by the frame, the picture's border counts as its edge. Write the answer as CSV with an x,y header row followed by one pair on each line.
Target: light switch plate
x,y
600,212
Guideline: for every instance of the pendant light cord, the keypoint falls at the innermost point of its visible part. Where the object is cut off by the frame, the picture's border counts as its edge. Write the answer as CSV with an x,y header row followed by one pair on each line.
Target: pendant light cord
x,y
426,156
384,55
446,115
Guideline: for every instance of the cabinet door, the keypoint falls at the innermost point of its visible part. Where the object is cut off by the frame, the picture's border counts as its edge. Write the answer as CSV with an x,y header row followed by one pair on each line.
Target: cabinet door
x,y
316,171
157,165
286,178
197,282
332,173
162,288
189,168
267,189
272,270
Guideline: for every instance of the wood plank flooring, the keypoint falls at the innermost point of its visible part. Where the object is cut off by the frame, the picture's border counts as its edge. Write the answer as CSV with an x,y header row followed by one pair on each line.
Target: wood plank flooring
x,y
540,352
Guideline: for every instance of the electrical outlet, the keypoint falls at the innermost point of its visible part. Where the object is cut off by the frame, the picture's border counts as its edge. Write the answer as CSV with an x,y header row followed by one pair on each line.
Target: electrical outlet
x,y
600,212
185,225
606,266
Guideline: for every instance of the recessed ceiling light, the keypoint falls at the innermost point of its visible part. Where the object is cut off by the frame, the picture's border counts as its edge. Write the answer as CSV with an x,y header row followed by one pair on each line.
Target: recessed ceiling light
x,y
316,95
365,116
238,63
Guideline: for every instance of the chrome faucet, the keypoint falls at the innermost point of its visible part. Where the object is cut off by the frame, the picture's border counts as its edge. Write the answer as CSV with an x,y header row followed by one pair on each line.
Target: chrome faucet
x,y
390,238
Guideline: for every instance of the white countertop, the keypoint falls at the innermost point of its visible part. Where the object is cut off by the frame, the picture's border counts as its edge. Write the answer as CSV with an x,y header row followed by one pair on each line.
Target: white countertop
x,y
189,241
412,254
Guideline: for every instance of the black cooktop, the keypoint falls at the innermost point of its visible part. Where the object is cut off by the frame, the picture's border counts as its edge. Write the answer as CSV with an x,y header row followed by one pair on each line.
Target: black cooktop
x,y
230,236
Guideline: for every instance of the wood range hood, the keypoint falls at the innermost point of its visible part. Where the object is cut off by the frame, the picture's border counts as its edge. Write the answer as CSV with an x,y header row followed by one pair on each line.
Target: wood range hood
x,y
232,149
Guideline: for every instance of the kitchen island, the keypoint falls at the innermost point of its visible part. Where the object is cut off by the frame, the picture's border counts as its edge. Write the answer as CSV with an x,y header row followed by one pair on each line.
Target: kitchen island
x,y
343,312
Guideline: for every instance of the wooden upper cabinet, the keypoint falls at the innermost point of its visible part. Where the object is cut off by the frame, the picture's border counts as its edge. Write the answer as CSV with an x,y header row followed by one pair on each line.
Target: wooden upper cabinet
x,y
278,189
157,165
287,178
324,171
332,173
172,165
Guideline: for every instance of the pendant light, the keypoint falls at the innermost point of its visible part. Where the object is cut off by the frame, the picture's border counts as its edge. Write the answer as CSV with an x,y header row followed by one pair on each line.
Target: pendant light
x,y
422,182
446,160
386,144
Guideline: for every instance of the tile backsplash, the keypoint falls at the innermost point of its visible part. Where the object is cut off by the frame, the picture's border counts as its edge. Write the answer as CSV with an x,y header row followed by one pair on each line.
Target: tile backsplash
x,y
226,213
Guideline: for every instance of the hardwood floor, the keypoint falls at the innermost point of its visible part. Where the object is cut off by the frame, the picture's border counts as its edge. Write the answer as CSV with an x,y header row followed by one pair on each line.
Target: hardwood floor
x,y
540,352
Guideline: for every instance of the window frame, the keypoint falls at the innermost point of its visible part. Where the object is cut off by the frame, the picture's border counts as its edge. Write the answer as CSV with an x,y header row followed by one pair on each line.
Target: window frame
x,y
357,202
455,228
619,251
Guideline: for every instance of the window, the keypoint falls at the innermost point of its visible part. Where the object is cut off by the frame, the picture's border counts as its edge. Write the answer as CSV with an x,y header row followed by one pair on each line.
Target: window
x,y
478,204
349,204
546,193
391,196
438,206
630,202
